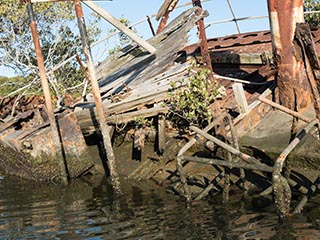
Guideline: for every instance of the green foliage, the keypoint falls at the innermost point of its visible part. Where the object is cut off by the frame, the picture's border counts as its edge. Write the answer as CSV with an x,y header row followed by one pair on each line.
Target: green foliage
x,y
57,28
312,5
142,121
8,85
190,98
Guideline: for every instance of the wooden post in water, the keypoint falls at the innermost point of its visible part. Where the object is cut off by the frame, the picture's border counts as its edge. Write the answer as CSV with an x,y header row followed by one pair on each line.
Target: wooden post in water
x,y
46,91
105,129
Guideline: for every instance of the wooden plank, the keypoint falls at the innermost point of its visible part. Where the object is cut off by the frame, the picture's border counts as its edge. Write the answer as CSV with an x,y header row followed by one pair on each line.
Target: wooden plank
x,y
88,117
161,133
131,116
115,22
240,98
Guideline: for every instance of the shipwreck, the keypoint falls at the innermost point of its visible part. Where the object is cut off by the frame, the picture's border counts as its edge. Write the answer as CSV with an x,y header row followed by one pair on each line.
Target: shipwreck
x,y
264,132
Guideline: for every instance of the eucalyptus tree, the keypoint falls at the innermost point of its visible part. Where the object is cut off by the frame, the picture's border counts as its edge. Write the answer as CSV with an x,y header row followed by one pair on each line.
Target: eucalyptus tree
x,y
59,40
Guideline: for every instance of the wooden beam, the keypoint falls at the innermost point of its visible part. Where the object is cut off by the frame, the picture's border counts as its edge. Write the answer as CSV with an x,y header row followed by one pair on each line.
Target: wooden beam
x,y
161,133
240,97
240,164
284,109
116,23
131,116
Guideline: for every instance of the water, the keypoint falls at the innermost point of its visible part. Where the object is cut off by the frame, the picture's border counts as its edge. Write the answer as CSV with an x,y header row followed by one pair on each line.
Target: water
x,y
88,209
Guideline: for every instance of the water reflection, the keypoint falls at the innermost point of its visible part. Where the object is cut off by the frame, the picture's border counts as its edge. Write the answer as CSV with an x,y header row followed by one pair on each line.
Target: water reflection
x,y
88,209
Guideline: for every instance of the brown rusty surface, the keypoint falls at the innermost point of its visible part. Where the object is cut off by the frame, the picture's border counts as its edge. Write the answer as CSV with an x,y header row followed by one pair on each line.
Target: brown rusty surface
x,y
283,18
164,12
252,42
78,9
204,49
36,144
21,104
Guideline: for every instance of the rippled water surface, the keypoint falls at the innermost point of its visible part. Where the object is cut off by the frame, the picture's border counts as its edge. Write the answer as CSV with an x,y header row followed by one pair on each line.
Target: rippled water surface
x,y
88,209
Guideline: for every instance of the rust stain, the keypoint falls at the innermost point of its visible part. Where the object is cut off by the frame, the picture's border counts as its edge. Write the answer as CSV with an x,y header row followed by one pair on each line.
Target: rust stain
x,y
206,60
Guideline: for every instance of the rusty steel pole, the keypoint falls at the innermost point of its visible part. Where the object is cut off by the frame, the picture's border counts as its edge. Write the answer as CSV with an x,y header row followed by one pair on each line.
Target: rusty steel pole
x,y
164,12
206,59
105,129
283,16
151,26
46,91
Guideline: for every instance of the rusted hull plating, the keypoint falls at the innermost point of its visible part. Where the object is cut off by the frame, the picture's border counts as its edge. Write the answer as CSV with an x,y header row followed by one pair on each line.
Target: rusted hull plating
x,y
57,147
283,17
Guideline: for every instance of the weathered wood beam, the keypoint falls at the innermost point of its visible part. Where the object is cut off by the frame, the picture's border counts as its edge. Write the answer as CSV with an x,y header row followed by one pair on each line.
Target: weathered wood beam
x,y
284,109
240,98
225,146
229,164
131,116
281,188
161,133
305,199
311,62
116,23
187,146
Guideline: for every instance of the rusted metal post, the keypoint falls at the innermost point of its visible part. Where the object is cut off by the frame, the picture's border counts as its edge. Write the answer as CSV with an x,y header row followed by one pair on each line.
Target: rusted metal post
x,y
283,16
46,91
105,129
163,13
151,26
203,41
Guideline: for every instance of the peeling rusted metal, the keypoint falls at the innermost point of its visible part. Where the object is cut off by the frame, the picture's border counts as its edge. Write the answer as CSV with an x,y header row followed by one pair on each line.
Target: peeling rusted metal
x,y
283,16
45,86
206,60
164,12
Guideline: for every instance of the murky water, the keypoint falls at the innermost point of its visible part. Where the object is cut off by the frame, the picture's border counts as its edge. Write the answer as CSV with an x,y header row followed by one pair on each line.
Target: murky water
x,y
88,209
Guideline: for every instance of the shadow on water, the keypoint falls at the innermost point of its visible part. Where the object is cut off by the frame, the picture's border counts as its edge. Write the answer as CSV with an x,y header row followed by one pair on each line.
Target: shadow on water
x,y
88,209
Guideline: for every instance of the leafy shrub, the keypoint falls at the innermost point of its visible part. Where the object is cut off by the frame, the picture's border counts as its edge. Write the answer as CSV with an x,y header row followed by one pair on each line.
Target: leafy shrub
x,y
191,97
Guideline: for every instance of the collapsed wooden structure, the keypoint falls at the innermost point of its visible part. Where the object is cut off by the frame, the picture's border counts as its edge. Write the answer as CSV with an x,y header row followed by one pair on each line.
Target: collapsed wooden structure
x,y
135,84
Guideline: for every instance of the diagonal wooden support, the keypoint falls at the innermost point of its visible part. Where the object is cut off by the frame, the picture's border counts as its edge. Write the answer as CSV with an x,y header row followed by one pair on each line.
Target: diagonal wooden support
x,y
105,129
188,146
115,22
210,186
229,148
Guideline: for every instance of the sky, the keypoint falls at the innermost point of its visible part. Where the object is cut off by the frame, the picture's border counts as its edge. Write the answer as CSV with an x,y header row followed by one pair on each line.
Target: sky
x,y
218,10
